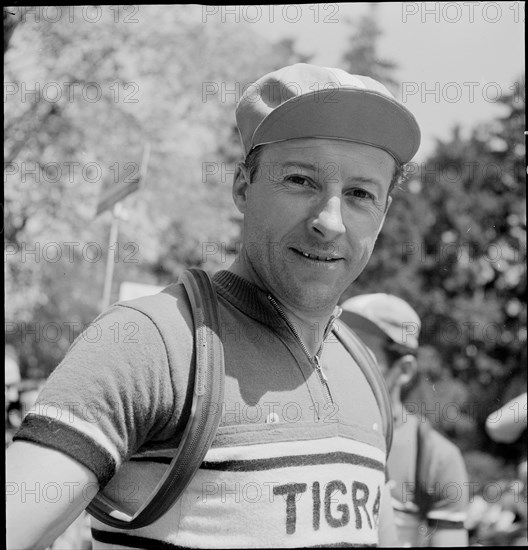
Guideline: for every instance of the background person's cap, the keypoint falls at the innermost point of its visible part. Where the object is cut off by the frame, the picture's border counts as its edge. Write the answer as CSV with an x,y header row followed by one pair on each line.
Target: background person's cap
x,y
304,101
383,314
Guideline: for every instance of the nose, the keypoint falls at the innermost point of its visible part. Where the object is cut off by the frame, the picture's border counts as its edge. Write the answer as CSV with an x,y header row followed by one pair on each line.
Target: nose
x,y
328,223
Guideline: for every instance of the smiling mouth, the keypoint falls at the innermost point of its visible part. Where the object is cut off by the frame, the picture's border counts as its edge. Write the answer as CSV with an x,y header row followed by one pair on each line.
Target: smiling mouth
x,y
317,258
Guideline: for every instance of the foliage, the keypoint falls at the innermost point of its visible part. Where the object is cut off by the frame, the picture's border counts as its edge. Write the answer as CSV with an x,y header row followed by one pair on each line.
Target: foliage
x,y
152,71
362,55
454,247
453,244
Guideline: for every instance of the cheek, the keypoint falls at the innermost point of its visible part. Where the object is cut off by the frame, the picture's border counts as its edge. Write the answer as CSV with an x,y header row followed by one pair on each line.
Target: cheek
x,y
376,216
272,212
262,221
256,205
362,233
365,219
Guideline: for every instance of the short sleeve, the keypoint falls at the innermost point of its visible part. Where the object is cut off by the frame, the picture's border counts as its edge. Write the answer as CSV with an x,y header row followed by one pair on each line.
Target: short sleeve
x,y
111,393
451,487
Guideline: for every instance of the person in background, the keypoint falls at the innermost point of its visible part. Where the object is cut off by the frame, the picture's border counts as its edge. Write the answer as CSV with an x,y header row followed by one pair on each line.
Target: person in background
x,y
427,473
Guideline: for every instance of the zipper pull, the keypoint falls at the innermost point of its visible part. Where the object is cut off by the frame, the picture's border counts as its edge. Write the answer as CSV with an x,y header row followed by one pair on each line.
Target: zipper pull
x,y
319,368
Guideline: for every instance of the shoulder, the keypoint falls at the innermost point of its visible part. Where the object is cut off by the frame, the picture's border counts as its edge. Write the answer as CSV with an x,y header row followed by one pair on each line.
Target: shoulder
x,y
167,310
171,304
122,384
442,445
145,325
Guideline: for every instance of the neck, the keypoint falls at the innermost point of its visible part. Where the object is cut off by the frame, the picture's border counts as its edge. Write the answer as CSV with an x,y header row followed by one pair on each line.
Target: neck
x,y
309,326
311,330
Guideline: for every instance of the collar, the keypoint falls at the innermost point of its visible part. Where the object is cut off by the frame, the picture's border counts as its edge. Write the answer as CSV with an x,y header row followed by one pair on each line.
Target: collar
x,y
254,302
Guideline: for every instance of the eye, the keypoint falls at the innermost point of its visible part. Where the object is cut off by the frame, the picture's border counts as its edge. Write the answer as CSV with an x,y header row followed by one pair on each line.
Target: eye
x,y
362,194
298,180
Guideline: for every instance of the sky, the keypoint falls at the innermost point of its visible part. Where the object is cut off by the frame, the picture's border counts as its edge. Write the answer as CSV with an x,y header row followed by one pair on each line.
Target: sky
x,y
454,59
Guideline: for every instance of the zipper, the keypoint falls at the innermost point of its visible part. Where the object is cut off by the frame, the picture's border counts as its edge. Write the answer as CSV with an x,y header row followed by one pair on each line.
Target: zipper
x,y
315,359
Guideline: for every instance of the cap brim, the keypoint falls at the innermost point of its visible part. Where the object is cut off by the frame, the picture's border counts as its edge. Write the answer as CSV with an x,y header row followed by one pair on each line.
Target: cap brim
x,y
358,322
352,114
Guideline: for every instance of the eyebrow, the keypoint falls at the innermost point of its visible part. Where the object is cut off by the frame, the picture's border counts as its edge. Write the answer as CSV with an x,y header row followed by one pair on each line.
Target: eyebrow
x,y
364,179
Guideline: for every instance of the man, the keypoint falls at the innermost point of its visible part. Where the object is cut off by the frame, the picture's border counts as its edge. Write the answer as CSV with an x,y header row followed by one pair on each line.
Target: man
x,y
426,471
299,457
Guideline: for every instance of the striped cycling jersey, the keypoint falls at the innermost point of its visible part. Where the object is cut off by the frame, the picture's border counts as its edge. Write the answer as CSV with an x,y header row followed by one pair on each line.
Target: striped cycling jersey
x,y
296,462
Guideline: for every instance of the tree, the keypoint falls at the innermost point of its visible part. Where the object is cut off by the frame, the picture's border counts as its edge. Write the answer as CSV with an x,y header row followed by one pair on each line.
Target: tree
x,y
362,55
477,270
11,20
159,75
454,247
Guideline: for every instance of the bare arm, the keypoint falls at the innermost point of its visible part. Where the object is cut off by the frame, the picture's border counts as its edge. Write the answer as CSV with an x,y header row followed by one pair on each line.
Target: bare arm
x,y
46,491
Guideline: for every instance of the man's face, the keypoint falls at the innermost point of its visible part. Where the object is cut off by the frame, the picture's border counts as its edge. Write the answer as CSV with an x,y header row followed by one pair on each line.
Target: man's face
x,y
318,197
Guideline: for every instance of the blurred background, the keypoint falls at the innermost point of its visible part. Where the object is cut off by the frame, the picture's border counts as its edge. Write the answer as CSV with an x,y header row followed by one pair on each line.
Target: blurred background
x,y
89,90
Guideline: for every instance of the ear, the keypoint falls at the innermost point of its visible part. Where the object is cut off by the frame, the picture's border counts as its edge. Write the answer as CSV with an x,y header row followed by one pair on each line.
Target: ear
x,y
240,186
387,206
389,202
408,367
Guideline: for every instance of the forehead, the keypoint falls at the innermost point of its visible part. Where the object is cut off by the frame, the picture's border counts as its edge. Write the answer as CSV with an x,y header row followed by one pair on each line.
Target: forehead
x,y
347,157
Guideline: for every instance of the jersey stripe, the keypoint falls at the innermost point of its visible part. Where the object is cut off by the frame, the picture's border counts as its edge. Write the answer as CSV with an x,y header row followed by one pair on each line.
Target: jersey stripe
x,y
445,524
267,449
447,515
68,419
258,465
132,541
63,437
